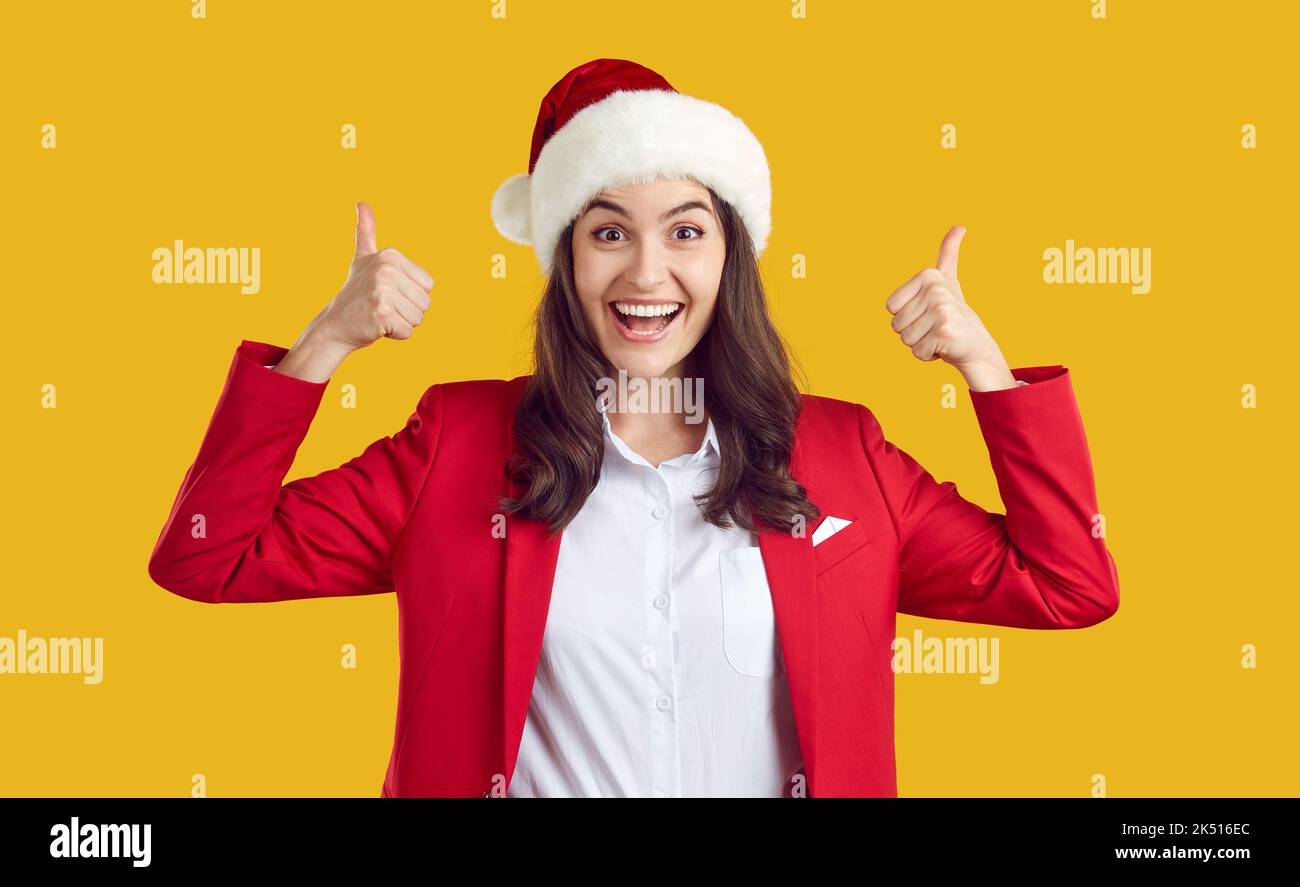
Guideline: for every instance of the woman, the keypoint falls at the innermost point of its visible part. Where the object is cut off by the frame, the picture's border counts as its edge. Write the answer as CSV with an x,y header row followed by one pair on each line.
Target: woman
x,y
597,597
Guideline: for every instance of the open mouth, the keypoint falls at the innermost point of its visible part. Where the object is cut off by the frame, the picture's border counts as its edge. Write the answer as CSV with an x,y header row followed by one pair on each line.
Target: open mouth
x,y
643,319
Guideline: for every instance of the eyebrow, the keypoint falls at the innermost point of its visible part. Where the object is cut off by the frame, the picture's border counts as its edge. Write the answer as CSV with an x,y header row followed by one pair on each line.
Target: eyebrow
x,y
677,210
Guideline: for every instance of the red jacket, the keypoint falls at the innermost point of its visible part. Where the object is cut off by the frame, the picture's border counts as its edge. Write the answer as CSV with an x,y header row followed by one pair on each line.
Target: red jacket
x,y
413,514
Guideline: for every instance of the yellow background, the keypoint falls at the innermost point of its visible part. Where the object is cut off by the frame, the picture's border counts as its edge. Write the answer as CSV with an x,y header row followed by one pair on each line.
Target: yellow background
x,y
226,132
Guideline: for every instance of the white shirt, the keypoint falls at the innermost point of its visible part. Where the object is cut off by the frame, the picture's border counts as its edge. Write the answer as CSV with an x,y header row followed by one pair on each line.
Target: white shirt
x,y
660,672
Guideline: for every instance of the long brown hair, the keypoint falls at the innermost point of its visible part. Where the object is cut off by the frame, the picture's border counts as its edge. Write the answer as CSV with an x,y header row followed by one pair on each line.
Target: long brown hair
x,y
751,397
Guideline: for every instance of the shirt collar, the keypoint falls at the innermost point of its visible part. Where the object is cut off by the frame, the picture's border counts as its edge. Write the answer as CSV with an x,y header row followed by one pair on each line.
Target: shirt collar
x,y
709,447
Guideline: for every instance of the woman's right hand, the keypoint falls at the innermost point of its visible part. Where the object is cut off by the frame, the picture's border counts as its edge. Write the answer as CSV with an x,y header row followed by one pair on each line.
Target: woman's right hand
x,y
385,296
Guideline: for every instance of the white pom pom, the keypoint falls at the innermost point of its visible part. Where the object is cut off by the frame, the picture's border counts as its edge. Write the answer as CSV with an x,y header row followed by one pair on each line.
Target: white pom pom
x,y
511,211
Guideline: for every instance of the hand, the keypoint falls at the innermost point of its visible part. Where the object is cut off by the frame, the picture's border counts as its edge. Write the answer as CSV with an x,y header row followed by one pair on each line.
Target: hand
x,y
386,295
932,318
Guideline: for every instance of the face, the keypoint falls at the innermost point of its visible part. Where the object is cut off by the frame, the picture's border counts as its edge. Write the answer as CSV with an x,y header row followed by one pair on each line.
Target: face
x,y
647,263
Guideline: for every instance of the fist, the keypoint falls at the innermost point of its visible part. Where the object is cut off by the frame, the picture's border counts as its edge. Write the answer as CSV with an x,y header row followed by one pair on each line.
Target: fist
x,y
386,294
932,318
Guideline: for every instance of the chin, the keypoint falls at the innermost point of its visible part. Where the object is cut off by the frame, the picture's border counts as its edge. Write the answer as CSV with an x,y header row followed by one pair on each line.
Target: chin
x,y
644,365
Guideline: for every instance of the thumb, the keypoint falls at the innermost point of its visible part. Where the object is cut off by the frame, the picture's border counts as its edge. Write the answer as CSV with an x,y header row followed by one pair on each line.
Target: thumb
x,y
365,231
948,251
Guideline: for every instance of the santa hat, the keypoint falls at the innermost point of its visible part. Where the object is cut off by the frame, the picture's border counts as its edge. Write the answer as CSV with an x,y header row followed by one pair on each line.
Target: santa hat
x,y
612,122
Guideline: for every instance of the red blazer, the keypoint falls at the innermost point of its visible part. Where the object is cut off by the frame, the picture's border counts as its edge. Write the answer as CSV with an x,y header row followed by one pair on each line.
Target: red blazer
x,y
413,514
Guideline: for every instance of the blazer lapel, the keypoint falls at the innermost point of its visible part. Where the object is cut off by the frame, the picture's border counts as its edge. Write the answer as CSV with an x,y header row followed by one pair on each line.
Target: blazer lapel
x,y
531,556
792,580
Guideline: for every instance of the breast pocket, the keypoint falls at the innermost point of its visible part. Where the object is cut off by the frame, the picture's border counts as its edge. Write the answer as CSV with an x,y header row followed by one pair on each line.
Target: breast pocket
x,y
838,546
749,638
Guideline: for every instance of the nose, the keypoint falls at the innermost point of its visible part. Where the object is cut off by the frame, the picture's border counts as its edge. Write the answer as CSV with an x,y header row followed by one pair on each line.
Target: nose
x,y
647,270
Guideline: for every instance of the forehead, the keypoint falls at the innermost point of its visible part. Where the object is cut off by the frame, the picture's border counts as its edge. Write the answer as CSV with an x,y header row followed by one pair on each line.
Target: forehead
x,y
655,194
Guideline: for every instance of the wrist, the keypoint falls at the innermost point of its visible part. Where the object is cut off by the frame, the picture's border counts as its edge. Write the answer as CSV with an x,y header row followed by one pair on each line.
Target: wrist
x,y
990,375
313,357
321,343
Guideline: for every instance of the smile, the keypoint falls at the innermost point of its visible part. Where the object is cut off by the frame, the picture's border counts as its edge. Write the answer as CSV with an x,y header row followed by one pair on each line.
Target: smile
x,y
644,321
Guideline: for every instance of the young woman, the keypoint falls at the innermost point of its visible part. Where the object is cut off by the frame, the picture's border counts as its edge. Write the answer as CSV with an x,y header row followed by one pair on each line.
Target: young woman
x,y
604,595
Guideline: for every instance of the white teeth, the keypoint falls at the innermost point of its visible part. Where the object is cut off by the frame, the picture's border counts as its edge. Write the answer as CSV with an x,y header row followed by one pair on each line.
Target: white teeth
x,y
647,310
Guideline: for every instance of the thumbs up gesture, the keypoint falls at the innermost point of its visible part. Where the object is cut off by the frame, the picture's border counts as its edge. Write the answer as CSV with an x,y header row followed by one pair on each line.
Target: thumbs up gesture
x,y
932,318
386,294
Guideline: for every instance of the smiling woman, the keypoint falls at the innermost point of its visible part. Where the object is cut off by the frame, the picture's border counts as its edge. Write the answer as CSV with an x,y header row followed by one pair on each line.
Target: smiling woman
x,y
595,601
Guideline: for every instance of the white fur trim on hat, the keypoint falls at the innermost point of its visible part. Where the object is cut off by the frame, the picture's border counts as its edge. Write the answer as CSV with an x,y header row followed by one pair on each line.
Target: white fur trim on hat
x,y
510,209
634,137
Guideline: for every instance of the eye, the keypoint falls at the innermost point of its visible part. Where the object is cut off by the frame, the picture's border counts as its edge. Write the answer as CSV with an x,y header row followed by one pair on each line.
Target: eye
x,y
600,233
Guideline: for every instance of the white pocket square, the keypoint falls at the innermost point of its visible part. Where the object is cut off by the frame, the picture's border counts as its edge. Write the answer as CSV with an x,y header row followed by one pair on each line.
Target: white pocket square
x,y
827,528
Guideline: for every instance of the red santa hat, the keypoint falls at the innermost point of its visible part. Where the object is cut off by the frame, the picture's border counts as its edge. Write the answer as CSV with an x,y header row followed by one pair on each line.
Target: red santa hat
x,y
612,122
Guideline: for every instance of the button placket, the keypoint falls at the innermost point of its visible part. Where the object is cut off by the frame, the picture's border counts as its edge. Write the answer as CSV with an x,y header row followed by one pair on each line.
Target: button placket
x,y
660,617
674,475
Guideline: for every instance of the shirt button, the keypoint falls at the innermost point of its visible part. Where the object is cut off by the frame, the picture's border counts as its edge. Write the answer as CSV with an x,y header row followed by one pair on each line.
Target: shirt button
x,y
661,602
662,703
659,512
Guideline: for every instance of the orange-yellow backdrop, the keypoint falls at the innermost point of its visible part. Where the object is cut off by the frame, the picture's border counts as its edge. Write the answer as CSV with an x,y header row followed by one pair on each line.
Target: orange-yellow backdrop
x,y
1121,131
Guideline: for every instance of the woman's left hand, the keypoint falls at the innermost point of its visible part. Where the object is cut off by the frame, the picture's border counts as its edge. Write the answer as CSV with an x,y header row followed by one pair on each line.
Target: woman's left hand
x,y
932,318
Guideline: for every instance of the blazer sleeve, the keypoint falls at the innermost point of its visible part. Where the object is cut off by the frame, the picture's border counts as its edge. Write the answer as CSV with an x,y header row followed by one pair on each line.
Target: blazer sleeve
x,y
236,535
1042,564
